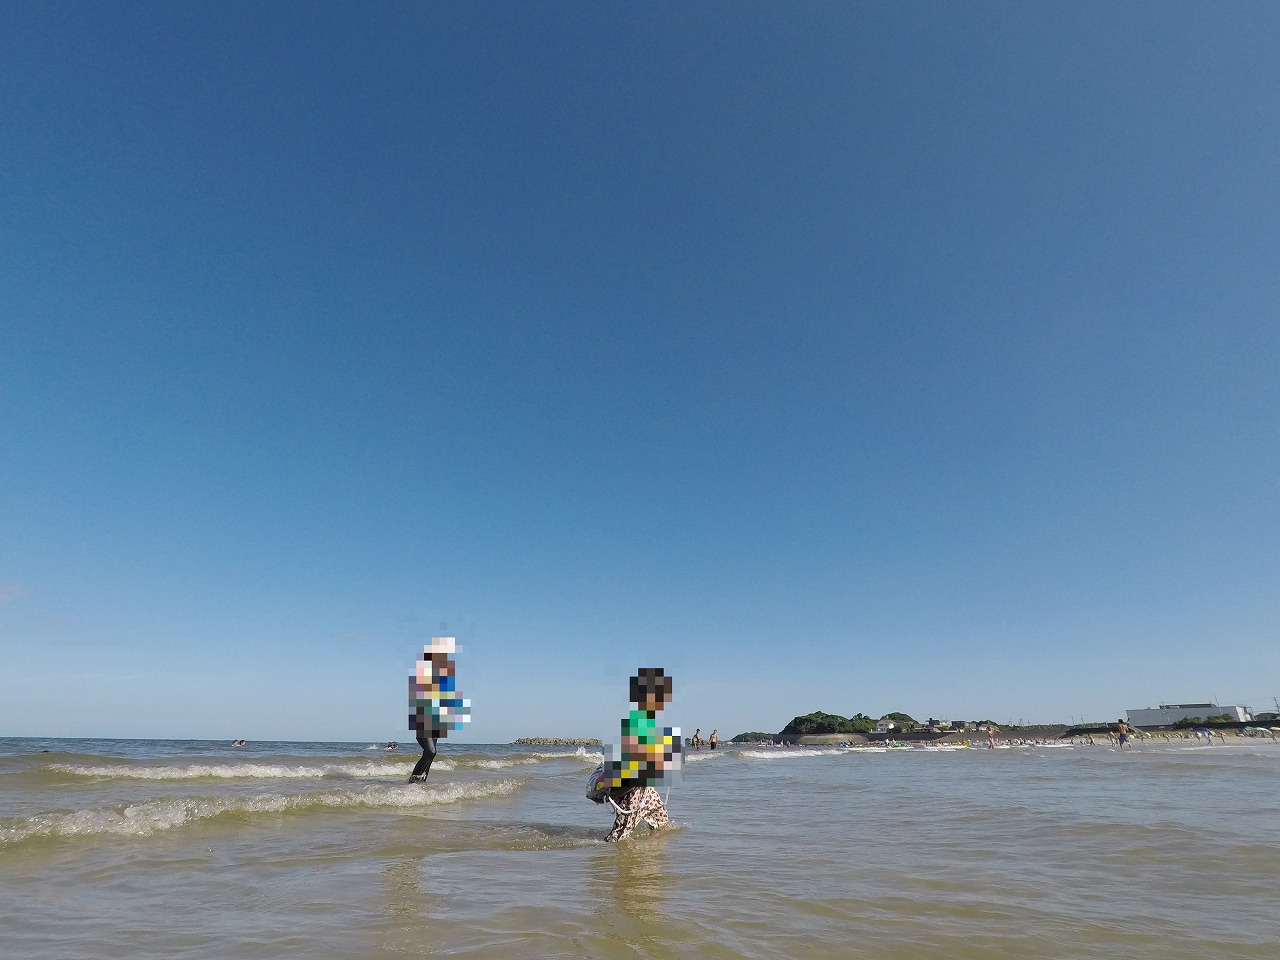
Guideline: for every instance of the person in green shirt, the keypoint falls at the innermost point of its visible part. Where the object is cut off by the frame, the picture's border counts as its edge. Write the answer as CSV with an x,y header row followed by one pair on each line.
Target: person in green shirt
x,y
650,755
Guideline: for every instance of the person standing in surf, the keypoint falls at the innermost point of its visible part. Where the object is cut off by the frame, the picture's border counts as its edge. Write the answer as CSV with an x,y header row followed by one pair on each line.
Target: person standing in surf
x,y
649,755
1123,732
434,705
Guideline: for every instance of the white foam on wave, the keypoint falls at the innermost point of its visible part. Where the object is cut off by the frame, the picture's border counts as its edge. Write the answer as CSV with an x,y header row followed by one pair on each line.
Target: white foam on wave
x,y
363,770
504,763
471,762
784,753
582,753
153,816
528,759
357,770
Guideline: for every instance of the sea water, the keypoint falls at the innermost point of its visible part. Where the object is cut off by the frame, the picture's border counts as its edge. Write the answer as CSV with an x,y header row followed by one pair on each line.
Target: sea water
x,y
180,849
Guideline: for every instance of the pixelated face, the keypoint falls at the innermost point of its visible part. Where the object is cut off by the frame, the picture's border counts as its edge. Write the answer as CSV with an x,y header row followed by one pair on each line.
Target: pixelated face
x,y
651,688
436,671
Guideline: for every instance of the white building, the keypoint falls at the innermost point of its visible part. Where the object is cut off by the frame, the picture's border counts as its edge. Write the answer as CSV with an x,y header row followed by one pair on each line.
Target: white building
x,y
885,725
1168,713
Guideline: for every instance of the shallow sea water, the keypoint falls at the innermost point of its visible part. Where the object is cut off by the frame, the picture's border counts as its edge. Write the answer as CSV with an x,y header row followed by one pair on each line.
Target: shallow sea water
x,y
175,849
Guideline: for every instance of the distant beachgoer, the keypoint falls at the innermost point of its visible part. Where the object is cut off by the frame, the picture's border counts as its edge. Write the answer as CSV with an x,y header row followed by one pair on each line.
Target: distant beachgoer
x,y
434,703
649,755
1122,731
991,738
714,741
697,739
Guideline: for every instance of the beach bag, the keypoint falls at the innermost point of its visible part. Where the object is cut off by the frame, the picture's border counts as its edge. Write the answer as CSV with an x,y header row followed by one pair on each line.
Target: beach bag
x,y
598,784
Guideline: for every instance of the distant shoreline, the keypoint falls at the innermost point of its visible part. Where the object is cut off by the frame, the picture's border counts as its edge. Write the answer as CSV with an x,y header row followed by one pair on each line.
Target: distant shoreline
x,y
556,742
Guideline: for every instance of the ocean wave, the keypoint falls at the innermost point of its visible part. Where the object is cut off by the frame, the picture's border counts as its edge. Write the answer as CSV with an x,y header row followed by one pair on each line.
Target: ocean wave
x,y
365,770
527,759
786,754
791,753
154,816
261,770
582,753
504,763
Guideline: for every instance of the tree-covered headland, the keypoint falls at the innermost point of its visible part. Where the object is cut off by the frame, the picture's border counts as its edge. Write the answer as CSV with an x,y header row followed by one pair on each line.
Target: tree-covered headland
x,y
820,723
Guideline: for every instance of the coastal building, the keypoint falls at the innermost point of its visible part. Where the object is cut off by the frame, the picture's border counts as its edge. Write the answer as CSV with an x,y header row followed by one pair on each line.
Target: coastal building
x,y
885,725
1168,713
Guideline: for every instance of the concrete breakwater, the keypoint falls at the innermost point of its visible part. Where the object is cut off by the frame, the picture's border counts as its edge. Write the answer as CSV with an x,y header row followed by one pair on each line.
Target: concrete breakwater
x,y
556,742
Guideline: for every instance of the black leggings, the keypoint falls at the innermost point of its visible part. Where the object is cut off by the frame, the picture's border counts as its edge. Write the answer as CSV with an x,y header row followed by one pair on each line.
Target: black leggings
x,y
423,767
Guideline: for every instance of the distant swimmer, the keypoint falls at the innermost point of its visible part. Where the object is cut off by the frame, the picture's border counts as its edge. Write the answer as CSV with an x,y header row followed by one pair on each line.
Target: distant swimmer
x,y
648,755
696,739
237,743
434,703
714,740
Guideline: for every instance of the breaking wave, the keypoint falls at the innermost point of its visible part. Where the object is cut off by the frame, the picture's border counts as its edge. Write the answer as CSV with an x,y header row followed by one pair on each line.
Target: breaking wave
x,y
524,760
351,770
154,816
232,771
789,754
785,754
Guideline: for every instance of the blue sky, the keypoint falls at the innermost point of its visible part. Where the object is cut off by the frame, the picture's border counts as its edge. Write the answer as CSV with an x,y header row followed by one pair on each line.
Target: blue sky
x,y
853,357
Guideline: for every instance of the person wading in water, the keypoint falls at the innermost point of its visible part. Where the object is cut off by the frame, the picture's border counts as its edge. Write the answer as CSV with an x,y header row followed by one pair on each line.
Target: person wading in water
x,y
434,705
650,755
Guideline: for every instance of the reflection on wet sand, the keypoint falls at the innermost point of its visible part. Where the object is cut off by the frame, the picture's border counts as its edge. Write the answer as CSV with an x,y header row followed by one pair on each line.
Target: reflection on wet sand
x,y
408,908
634,872
403,880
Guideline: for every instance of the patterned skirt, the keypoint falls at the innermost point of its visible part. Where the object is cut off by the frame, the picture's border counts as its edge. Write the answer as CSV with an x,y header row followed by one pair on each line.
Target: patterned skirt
x,y
636,803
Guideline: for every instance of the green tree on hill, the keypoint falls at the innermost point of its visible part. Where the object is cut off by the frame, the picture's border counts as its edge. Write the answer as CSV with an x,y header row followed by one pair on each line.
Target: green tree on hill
x,y
903,720
859,723
819,722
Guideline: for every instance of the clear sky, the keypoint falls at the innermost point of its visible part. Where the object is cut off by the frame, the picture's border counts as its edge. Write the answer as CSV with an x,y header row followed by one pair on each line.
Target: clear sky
x,y
841,356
